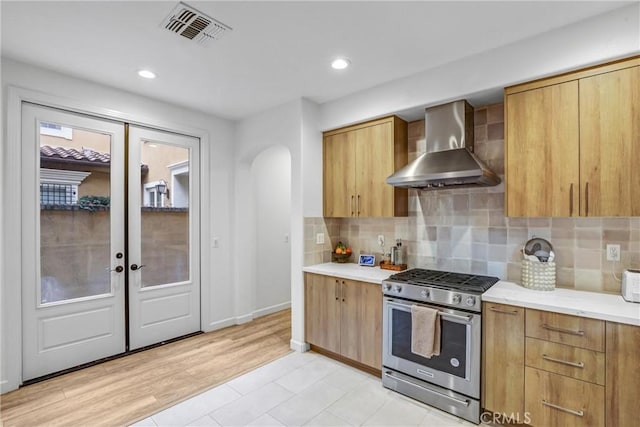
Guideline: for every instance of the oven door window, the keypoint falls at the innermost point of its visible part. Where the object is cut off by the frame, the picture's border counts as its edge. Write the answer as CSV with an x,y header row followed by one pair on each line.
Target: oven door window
x,y
453,344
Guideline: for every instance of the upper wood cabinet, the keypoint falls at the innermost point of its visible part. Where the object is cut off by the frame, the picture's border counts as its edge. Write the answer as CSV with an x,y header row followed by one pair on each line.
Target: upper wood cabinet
x,y
572,143
357,161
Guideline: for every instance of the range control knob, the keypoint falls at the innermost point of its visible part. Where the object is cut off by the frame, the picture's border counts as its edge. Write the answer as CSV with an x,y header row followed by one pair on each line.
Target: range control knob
x,y
470,301
387,286
455,299
397,288
424,293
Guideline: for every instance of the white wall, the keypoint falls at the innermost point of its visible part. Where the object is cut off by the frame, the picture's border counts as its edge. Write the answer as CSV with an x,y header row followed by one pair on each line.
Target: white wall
x,y
311,159
280,126
217,152
598,39
271,182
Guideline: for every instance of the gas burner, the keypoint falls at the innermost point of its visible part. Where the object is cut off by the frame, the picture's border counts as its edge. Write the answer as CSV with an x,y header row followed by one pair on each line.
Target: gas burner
x,y
445,288
446,280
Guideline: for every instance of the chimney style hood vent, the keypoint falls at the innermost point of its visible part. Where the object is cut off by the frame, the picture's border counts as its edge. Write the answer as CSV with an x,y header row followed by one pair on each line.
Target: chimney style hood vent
x,y
449,159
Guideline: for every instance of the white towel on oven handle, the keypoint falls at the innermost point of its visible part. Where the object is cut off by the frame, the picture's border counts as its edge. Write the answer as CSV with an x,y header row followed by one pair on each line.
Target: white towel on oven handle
x,y
425,331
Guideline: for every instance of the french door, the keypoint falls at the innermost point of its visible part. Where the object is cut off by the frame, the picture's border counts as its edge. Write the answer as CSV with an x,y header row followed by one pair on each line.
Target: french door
x,y
110,253
164,268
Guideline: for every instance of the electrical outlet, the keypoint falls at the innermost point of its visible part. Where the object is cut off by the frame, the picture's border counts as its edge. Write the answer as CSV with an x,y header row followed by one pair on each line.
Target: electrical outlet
x,y
613,252
380,240
319,238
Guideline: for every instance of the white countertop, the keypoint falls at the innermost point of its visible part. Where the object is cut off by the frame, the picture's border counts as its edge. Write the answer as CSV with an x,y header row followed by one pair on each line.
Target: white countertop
x,y
350,271
568,301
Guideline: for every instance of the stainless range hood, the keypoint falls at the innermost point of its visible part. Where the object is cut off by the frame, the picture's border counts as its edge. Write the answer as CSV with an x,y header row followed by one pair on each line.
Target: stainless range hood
x,y
449,159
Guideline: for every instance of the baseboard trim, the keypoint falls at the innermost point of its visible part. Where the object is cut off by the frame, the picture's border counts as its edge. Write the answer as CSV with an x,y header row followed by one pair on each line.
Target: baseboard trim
x,y
299,346
245,318
224,323
274,308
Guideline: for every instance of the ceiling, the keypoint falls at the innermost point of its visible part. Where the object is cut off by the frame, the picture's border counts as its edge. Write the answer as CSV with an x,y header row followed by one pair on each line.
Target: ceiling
x,y
276,52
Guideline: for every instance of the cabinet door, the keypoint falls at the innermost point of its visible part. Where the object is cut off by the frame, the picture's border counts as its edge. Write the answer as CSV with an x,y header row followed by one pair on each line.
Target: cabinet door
x,y
610,143
361,322
370,325
503,359
322,311
542,151
350,318
374,159
623,375
339,175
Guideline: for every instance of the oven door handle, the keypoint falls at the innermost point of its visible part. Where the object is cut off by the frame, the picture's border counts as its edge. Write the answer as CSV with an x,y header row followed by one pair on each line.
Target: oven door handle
x,y
446,396
441,313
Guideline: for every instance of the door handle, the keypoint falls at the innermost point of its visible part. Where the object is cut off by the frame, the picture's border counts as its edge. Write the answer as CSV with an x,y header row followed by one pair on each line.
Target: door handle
x,y
118,269
586,196
135,267
571,200
358,205
352,205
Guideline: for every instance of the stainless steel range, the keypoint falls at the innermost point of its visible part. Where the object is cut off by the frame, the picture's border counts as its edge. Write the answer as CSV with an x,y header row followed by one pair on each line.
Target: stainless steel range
x,y
451,380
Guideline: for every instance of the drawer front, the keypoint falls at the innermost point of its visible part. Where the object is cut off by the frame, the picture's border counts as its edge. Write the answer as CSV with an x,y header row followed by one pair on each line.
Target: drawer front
x,y
556,401
564,329
579,363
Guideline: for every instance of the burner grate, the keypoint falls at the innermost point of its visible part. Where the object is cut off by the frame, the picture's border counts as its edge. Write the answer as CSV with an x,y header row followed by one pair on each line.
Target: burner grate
x,y
446,280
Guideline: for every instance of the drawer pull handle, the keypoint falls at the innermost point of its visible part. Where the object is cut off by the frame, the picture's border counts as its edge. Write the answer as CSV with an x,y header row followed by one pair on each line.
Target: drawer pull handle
x,y
560,408
562,330
564,362
512,312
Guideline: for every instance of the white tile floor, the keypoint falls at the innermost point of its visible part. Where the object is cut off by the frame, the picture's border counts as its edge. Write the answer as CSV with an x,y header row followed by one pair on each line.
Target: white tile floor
x,y
302,389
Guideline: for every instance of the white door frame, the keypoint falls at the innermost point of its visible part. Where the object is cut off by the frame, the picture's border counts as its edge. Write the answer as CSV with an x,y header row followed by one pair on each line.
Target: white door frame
x,y
11,279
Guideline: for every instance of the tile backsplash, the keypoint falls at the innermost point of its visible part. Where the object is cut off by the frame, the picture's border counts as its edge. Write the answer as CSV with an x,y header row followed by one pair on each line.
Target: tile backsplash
x,y
465,229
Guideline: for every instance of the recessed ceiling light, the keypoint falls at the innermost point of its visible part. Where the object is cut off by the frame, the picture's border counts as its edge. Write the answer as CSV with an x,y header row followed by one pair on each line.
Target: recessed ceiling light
x,y
340,63
147,74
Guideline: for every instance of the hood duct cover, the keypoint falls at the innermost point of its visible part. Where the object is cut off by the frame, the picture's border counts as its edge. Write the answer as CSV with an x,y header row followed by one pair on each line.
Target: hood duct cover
x,y
449,159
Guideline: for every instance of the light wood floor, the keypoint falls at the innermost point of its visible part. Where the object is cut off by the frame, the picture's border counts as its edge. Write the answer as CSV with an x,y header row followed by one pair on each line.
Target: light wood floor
x,y
125,390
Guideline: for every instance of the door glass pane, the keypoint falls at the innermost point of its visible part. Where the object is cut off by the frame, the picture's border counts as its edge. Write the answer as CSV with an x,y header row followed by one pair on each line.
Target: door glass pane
x,y
165,213
453,350
75,171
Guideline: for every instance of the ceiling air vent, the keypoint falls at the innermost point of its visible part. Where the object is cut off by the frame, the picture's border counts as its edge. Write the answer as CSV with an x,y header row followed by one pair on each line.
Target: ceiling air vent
x,y
194,25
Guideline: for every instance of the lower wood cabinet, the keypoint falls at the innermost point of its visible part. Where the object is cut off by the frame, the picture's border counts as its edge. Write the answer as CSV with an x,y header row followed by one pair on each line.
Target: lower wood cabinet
x,y
551,369
623,375
344,317
503,347
555,400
